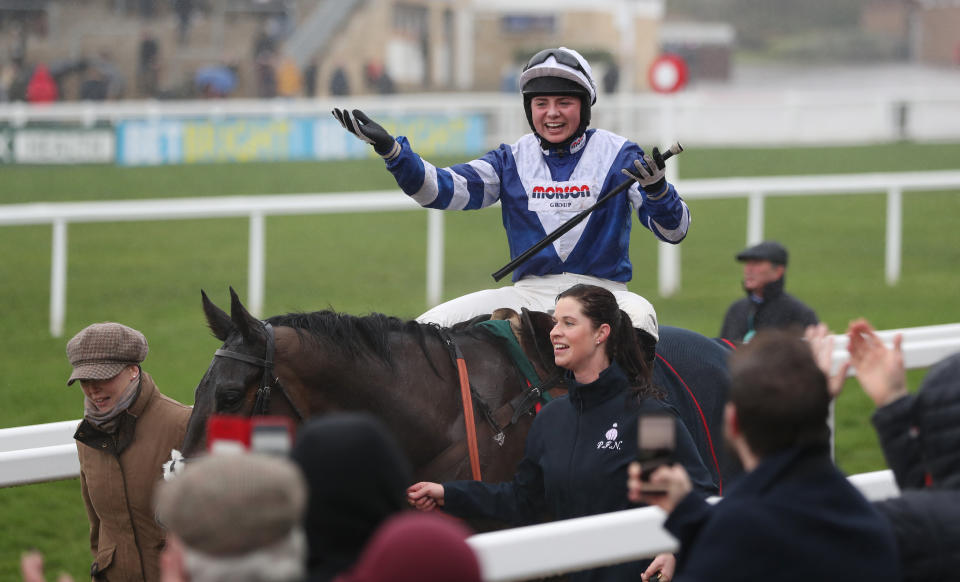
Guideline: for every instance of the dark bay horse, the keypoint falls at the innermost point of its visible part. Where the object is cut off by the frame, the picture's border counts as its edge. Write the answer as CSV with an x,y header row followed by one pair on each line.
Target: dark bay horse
x,y
404,373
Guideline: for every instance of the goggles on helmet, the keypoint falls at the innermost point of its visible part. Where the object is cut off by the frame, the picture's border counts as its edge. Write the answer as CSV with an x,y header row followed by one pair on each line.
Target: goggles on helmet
x,y
566,64
562,57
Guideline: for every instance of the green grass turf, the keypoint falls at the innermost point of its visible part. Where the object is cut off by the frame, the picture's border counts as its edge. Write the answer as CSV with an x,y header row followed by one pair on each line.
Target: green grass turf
x,y
149,275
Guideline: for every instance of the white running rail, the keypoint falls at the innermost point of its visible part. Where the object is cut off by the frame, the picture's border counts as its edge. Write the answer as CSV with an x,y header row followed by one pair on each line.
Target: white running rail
x,y
61,214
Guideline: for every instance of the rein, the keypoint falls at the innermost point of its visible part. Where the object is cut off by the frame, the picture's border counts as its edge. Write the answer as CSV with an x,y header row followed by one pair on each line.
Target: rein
x,y
268,380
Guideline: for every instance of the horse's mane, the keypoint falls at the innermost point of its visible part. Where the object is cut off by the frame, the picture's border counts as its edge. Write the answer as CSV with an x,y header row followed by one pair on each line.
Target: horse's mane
x,y
354,335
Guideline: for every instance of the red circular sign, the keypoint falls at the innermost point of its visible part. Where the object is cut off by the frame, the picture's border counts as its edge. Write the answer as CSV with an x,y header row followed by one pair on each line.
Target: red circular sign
x,y
667,73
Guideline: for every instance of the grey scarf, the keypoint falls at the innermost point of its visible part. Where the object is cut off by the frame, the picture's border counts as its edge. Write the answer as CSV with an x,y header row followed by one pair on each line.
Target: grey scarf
x,y
109,420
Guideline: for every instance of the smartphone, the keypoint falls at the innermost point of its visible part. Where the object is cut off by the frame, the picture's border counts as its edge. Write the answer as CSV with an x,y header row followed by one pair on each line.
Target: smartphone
x,y
271,435
656,443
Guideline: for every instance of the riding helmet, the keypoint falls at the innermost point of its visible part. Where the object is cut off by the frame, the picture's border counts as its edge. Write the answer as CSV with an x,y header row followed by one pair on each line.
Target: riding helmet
x,y
560,71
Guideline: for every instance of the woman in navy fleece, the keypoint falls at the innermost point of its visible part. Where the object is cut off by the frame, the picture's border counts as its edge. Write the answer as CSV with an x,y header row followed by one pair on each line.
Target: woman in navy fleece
x,y
580,445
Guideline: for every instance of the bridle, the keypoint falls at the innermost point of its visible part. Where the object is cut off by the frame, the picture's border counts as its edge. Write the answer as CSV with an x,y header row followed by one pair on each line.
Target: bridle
x,y
268,380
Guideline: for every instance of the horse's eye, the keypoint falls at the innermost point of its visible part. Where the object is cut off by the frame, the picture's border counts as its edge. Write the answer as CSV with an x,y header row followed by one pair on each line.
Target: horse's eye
x,y
229,399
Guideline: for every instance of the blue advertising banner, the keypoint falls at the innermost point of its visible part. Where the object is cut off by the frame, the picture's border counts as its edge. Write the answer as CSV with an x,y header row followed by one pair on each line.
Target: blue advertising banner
x,y
192,141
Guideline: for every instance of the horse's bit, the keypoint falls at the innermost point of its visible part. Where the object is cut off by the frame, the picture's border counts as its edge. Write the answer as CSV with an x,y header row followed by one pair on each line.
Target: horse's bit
x,y
268,380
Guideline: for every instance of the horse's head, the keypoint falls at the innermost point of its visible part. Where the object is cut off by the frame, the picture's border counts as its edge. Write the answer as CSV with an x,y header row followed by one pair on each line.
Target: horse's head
x,y
230,384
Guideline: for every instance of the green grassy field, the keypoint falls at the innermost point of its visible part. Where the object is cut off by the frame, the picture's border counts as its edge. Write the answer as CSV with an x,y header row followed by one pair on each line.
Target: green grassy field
x,y
149,275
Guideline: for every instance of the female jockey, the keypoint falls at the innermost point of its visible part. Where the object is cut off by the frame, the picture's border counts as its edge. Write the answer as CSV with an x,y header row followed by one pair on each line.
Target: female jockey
x,y
541,181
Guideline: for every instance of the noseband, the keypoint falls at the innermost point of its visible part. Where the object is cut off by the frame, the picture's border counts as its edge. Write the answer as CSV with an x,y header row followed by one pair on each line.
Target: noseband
x,y
268,380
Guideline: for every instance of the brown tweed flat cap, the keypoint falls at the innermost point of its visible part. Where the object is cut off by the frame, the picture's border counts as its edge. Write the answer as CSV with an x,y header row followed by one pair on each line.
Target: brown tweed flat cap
x,y
102,350
233,504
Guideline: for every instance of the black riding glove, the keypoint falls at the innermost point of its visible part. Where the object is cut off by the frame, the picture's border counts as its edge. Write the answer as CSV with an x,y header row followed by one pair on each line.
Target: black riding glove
x,y
651,174
369,131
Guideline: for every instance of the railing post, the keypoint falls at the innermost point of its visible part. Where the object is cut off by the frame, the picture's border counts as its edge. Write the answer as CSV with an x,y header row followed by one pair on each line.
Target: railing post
x,y
434,257
755,217
668,268
58,277
255,270
894,234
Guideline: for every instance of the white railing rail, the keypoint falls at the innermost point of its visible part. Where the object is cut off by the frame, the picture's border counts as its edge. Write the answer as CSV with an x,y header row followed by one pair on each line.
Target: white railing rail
x,y
699,116
60,214
553,548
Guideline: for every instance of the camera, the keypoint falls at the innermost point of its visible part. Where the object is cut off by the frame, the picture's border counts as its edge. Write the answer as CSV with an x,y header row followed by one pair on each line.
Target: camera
x,y
656,443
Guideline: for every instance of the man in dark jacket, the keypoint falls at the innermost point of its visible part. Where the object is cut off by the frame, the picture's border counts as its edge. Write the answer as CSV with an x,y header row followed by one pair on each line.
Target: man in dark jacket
x,y
921,441
766,305
792,515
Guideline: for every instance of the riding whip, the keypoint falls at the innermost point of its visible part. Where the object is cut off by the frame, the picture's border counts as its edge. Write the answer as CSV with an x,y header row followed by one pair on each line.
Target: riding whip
x,y
675,149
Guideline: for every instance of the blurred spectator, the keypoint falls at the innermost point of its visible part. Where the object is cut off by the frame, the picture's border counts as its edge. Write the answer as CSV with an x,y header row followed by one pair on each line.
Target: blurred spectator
x,y
63,70
106,71
127,432
8,73
766,305
357,476
234,518
289,79
378,81
793,515
41,88
339,84
310,78
215,81
148,64
21,73
93,86
611,78
264,61
184,12
921,441
417,548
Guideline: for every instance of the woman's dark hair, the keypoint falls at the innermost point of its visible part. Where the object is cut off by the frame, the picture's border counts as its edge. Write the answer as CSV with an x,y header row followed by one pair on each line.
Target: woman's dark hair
x,y
622,347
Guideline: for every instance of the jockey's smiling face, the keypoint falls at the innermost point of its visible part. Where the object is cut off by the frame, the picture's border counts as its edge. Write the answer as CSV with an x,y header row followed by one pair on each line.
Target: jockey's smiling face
x,y
555,117
578,346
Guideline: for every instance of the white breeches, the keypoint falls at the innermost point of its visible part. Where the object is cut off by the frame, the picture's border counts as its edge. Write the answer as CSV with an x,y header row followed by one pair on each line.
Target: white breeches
x,y
539,294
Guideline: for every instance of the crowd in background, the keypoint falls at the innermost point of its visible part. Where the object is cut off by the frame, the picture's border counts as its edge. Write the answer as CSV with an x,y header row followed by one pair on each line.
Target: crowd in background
x,y
96,75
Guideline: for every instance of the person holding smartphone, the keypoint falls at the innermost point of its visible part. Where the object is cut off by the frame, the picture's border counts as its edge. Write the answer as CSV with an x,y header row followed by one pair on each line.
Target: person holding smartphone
x,y
793,515
579,447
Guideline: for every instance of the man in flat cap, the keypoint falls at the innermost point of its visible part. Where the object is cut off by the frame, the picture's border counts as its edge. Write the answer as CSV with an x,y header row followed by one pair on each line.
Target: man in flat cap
x,y
235,516
766,305
127,432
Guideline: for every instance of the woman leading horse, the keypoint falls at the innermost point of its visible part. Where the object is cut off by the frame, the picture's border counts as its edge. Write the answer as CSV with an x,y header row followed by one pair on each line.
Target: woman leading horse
x,y
579,447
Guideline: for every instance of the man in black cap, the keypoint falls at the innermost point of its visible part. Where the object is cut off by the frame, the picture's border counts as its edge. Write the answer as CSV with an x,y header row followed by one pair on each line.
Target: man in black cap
x,y
766,305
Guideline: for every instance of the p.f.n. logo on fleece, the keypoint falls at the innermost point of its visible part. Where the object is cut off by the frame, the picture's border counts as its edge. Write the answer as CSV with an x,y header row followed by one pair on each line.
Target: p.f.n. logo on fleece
x,y
610,439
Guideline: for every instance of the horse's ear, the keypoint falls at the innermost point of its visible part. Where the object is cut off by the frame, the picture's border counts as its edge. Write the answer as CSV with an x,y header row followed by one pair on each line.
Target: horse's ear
x,y
217,319
248,325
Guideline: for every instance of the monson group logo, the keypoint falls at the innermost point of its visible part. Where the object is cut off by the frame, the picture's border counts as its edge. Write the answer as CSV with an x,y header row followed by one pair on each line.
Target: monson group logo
x,y
562,196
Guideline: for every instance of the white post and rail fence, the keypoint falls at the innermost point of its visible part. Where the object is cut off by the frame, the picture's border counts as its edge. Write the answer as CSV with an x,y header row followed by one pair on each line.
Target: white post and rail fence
x,y
257,208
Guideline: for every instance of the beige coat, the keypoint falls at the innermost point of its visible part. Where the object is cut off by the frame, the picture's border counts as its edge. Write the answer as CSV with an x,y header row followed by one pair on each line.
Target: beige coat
x,y
118,474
